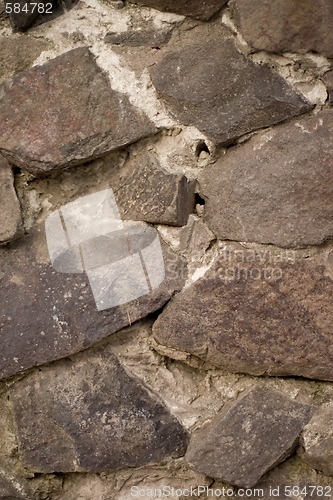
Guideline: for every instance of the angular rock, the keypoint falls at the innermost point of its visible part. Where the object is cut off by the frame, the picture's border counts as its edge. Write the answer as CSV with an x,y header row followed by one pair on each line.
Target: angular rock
x,y
138,38
285,27
276,188
10,210
249,438
262,314
25,15
215,88
328,80
145,191
317,440
89,415
57,313
62,126
198,9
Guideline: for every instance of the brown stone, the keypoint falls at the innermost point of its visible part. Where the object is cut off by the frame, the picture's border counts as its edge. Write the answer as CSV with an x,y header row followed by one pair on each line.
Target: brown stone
x,y
199,9
286,25
276,188
215,88
248,438
88,414
57,314
46,126
138,38
328,80
259,313
10,210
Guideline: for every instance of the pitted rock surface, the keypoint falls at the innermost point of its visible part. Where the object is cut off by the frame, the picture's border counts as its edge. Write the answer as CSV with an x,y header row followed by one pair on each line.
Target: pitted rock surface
x,y
57,314
282,26
215,88
11,219
249,437
256,314
277,188
89,415
198,9
63,127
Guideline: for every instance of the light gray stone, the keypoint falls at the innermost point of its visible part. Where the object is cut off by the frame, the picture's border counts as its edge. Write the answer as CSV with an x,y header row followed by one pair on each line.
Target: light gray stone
x,y
11,226
276,188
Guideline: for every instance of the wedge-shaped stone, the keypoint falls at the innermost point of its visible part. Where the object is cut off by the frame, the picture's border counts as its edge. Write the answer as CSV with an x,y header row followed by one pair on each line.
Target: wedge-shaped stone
x,y
249,438
276,188
65,113
215,88
58,313
282,26
89,415
198,9
255,314
10,210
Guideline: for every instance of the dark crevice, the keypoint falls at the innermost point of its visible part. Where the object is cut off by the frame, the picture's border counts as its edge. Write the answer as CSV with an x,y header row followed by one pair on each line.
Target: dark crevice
x,y
199,200
200,148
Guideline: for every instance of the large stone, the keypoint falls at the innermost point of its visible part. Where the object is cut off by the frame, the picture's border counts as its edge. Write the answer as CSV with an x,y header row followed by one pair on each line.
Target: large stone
x,y
145,191
46,123
139,38
57,314
88,414
285,26
10,210
199,9
215,88
262,314
276,188
249,438
317,440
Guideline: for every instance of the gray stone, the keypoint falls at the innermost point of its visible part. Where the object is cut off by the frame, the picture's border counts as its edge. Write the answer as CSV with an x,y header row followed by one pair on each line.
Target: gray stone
x,y
328,80
282,26
276,188
150,38
21,20
75,126
145,191
259,313
198,9
248,438
88,414
57,314
215,88
317,440
10,210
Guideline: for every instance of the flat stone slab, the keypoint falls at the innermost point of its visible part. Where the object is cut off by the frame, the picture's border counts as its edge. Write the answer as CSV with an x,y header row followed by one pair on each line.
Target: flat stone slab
x,y
57,313
137,38
276,188
284,27
197,9
89,415
266,314
317,440
248,438
11,226
47,124
215,88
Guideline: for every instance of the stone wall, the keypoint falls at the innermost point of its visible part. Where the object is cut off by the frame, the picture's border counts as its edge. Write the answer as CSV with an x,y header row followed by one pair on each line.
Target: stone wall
x,y
211,124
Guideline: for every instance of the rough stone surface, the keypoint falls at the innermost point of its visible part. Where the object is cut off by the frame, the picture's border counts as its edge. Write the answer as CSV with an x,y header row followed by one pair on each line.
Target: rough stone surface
x,y
277,188
283,26
249,438
215,88
64,127
8,490
10,209
138,38
317,440
57,314
145,191
257,314
21,20
328,80
198,9
90,415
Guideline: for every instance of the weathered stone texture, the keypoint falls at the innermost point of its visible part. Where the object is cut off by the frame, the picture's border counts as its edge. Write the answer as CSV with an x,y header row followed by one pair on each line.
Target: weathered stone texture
x,y
57,314
90,415
328,80
277,188
147,38
215,88
10,210
260,315
249,438
317,440
287,25
46,123
199,9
